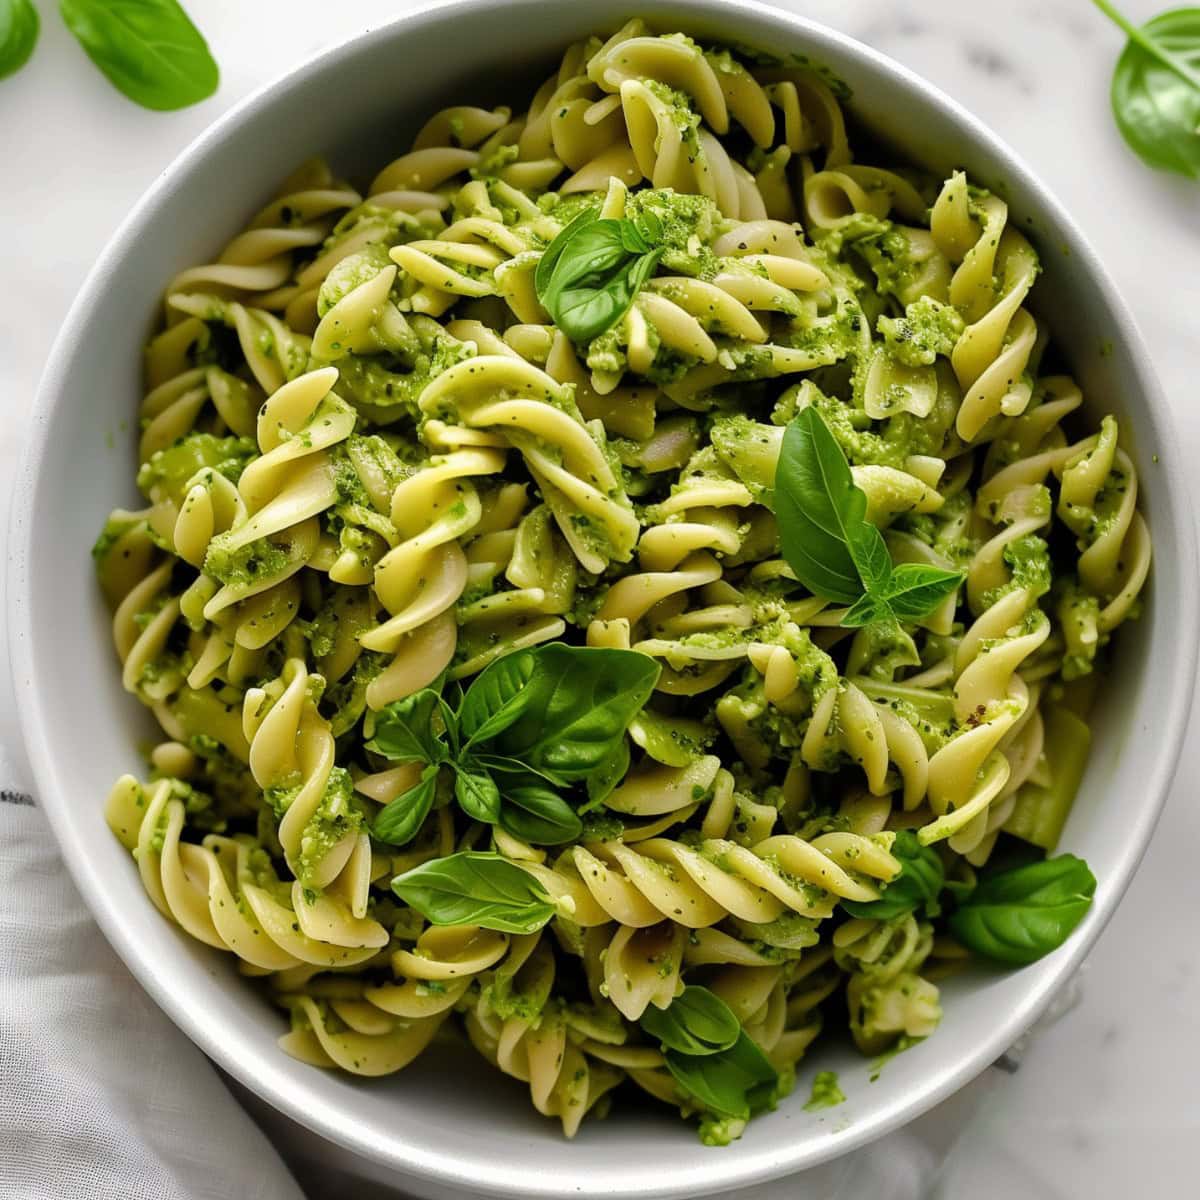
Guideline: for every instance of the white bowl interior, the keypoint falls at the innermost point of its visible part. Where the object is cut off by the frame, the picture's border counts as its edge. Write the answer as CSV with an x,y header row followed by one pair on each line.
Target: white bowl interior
x,y
449,1118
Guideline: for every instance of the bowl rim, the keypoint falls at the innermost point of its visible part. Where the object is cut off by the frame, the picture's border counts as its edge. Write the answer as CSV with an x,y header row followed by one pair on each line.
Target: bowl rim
x,y
252,1065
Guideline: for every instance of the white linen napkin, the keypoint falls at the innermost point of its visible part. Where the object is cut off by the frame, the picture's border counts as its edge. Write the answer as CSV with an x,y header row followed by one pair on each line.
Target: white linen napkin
x,y
100,1095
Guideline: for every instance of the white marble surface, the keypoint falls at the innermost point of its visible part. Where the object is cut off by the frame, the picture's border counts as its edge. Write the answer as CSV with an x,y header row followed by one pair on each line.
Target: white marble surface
x,y
1104,1104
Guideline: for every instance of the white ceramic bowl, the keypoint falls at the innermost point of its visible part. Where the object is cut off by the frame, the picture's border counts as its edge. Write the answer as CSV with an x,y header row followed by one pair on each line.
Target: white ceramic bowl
x,y
457,1124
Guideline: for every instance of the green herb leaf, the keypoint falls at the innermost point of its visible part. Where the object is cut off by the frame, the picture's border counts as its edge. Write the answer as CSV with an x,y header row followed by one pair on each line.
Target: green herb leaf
x,y
554,251
602,782
867,610
819,509
580,701
917,885
496,697
19,27
535,814
401,820
697,1021
477,794
404,729
831,546
475,888
149,49
916,589
590,273
513,766
1020,915
735,1082
1156,89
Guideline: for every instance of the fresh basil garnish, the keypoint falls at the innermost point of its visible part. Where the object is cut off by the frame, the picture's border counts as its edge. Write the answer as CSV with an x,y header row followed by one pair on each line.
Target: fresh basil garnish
x,y
477,794
148,49
918,884
534,721
580,702
697,1021
735,1082
590,273
1156,89
496,697
475,888
536,813
1018,916
830,545
404,730
19,27
401,820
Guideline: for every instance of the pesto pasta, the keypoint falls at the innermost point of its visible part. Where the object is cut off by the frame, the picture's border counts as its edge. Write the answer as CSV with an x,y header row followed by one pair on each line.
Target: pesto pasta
x,y
624,588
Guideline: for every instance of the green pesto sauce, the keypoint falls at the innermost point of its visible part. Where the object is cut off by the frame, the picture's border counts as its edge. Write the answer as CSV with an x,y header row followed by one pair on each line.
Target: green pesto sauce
x,y
927,329
114,529
247,564
168,471
353,271
1028,559
337,815
825,1092
367,381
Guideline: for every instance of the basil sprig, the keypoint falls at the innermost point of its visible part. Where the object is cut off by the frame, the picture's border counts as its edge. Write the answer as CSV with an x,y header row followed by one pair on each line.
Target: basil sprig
x,y
710,1056
831,546
19,27
530,725
589,274
476,888
1017,916
918,884
1156,88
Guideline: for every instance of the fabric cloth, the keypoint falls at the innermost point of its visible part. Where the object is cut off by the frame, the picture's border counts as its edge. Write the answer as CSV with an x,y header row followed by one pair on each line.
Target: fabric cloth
x,y
100,1095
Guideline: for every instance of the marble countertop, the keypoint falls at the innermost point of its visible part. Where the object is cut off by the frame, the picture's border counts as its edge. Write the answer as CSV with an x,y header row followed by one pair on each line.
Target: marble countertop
x,y
1103,1105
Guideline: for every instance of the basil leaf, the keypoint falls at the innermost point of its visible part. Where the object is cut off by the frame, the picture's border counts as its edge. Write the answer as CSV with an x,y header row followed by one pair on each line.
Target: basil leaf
x,y
404,729
475,888
477,794
1020,915
918,884
867,610
589,274
537,815
580,701
512,766
819,509
1156,89
554,251
916,589
735,1082
401,820
148,49
597,303
602,782
19,25
496,697
649,226
871,558
696,1022
632,239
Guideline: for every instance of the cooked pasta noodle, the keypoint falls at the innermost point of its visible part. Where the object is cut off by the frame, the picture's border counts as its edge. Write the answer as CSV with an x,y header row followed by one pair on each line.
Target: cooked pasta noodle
x,y
373,463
